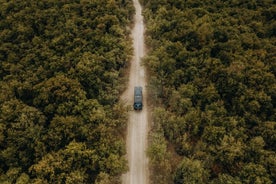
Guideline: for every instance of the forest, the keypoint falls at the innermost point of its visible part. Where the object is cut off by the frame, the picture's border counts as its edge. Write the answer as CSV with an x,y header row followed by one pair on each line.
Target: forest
x,y
62,64
212,68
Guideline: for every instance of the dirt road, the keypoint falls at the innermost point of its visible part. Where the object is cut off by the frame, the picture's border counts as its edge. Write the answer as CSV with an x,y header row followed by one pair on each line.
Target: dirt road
x,y
138,120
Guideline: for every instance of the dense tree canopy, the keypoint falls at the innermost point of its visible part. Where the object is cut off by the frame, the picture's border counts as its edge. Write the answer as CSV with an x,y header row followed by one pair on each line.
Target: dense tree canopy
x,y
212,70
61,68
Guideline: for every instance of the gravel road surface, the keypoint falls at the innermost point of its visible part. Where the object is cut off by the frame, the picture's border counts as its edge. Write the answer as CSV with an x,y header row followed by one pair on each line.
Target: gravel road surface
x,y
138,120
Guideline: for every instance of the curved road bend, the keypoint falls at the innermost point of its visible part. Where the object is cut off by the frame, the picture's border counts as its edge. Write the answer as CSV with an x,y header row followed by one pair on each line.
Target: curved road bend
x,y
138,120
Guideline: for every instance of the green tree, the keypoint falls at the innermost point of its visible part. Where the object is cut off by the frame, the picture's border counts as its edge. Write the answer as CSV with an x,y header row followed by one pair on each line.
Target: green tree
x,y
254,173
24,126
231,152
61,66
159,158
69,164
190,171
58,95
211,67
103,178
226,179
63,130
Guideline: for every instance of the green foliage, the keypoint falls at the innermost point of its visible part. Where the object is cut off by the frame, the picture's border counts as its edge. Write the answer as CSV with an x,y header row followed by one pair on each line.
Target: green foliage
x,y
68,164
226,179
212,69
190,171
159,158
21,125
103,178
254,173
61,68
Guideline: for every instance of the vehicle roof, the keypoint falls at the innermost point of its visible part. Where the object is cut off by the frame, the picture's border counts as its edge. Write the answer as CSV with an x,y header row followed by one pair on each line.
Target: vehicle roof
x,y
138,90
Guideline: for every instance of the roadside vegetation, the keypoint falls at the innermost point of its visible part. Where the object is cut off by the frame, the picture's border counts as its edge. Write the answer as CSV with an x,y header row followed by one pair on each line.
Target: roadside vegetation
x,y
212,71
61,68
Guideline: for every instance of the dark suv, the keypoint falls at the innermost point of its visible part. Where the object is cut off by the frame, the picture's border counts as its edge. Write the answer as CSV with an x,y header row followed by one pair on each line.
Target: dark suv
x,y
138,98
